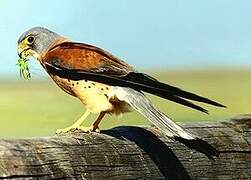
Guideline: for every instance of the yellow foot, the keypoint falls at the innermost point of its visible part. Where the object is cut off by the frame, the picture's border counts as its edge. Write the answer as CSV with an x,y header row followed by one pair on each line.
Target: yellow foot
x,y
79,128
87,129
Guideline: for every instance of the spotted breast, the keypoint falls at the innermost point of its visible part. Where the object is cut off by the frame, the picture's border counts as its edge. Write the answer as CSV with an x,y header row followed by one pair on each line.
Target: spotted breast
x,y
95,96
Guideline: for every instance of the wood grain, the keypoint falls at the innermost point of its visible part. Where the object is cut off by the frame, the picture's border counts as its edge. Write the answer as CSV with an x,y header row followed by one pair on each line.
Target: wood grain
x,y
131,153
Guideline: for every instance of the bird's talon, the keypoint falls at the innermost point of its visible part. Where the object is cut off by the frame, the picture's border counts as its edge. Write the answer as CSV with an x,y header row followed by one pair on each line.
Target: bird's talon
x,y
85,129
66,130
97,130
80,129
59,131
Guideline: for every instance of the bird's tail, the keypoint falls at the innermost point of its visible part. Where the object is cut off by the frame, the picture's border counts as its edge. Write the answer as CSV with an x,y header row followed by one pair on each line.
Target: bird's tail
x,y
140,103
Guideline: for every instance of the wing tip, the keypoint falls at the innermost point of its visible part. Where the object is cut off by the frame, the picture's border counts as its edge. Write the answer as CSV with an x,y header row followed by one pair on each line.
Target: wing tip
x,y
217,104
202,110
205,111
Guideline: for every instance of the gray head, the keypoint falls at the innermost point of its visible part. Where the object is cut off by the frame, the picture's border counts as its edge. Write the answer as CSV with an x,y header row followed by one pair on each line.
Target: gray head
x,y
35,41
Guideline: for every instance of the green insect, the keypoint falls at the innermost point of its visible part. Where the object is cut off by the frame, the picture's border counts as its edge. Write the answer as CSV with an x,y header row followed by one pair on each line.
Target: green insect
x,y
24,68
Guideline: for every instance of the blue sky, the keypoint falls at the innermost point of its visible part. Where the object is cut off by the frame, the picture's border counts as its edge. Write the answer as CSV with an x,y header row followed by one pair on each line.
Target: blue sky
x,y
162,34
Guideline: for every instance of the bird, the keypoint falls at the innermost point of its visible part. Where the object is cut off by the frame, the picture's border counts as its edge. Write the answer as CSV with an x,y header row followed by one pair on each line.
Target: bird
x,y
105,84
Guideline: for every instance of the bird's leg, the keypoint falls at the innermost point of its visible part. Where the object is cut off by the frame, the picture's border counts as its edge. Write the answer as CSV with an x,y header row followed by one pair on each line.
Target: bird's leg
x,y
96,123
76,125
94,127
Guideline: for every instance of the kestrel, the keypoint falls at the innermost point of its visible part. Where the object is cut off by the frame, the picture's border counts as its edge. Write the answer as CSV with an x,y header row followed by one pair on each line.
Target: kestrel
x,y
103,82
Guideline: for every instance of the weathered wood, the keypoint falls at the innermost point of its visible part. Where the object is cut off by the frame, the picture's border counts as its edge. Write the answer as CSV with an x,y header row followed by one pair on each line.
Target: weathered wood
x,y
131,153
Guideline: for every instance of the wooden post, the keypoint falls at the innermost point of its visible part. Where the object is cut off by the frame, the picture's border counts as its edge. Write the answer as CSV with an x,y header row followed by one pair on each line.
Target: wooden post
x,y
131,153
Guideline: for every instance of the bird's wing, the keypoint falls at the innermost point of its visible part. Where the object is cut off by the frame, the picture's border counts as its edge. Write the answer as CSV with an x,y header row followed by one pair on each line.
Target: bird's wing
x,y
72,55
78,61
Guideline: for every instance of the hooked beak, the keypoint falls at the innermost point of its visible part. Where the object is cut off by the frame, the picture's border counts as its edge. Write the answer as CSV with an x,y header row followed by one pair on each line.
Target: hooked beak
x,y
25,51
21,54
21,50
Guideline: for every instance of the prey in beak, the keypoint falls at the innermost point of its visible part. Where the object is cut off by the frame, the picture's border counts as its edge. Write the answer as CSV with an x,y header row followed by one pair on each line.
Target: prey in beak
x,y
24,68
23,62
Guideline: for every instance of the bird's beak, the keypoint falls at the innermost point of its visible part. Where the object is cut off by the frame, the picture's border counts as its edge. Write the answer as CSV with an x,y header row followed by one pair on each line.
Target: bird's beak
x,y
21,54
25,51
21,50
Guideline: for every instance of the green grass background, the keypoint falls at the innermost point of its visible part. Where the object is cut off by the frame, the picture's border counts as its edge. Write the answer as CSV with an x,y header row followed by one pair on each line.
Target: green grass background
x,y
39,107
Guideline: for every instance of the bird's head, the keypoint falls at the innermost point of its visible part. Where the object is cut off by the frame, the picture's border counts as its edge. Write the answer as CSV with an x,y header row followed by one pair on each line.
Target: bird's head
x,y
35,41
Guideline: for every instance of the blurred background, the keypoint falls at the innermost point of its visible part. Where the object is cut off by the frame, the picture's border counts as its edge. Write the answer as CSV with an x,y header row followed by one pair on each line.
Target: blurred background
x,y
199,46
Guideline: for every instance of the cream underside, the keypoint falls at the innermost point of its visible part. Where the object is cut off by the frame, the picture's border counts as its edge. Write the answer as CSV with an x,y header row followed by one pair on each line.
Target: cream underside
x,y
95,96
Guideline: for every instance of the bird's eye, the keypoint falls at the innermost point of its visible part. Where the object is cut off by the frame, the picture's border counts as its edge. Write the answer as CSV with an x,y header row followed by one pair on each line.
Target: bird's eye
x,y
30,39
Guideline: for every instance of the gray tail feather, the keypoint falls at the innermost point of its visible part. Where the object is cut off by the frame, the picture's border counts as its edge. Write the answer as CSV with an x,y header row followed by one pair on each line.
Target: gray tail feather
x,y
140,103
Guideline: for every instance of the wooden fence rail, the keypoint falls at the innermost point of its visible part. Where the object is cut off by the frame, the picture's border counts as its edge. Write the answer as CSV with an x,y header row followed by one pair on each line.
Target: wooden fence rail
x,y
131,153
